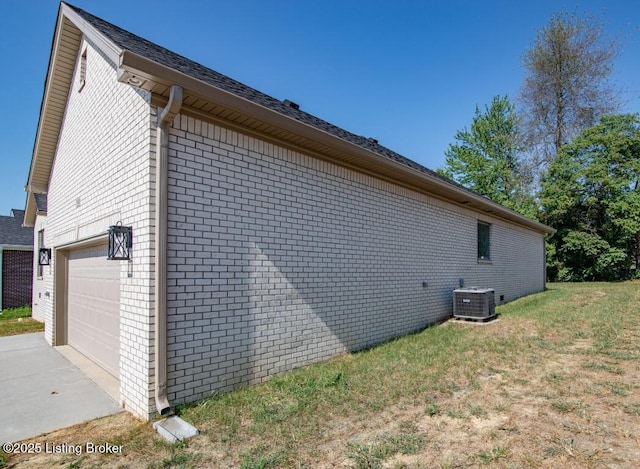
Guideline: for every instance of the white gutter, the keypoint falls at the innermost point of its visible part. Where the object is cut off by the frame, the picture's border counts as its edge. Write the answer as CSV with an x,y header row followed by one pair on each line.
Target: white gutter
x,y
150,72
16,247
162,171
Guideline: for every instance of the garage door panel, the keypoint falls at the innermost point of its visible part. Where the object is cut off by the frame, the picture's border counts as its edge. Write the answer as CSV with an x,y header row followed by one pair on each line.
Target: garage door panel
x,y
93,311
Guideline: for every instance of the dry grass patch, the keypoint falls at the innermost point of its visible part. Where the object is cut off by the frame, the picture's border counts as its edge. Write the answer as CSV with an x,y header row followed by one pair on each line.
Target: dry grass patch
x,y
554,383
18,321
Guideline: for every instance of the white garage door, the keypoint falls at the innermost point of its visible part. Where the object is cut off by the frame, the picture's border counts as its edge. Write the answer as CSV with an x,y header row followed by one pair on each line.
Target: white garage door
x,y
93,306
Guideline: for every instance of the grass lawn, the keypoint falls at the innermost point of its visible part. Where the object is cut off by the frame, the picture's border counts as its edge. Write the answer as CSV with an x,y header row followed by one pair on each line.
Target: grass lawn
x,y
554,383
18,321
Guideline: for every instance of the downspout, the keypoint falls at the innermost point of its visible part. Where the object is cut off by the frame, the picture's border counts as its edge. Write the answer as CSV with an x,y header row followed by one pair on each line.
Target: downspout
x,y
162,171
544,263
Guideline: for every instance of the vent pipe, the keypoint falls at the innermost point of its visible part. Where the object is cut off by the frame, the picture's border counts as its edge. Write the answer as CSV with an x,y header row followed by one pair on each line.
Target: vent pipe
x,y
291,104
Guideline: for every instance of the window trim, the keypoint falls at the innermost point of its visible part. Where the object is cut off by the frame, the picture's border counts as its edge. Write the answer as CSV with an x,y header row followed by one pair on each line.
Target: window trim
x,y
482,259
39,267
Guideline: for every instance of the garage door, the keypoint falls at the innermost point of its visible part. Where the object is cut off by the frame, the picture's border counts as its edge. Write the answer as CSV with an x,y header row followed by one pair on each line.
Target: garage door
x,y
93,306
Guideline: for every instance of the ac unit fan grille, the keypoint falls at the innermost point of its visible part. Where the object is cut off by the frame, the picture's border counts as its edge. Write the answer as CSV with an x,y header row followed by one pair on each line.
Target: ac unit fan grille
x,y
474,304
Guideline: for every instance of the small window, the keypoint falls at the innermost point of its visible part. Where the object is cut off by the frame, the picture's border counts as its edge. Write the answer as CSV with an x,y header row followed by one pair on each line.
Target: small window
x,y
82,77
484,241
40,246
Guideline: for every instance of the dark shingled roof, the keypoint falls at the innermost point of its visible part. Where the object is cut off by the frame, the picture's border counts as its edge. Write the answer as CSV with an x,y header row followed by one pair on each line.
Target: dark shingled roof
x,y
41,202
12,232
128,41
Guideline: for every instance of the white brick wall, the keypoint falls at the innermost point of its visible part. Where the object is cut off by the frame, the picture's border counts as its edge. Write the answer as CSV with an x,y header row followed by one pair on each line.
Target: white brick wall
x,y
277,259
42,285
102,174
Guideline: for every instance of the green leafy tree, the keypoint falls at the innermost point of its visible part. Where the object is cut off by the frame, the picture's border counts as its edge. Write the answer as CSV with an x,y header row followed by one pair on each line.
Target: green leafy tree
x,y
485,158
591,195
566,87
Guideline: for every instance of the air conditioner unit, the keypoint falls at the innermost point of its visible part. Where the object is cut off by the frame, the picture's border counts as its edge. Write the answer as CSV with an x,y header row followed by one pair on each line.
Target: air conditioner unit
x,y
474,303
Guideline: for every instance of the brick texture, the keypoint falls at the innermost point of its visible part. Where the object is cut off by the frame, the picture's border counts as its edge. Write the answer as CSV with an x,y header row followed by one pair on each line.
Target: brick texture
x,y
17,272
103,174
278,259
41,304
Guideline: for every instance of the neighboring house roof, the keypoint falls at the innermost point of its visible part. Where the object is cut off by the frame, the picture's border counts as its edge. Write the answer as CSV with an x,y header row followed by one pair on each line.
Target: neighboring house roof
x,y
41,203
12,233
212,95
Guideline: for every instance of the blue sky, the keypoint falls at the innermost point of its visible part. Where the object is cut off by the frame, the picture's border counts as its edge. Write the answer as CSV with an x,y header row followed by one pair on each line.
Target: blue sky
x,y
408,73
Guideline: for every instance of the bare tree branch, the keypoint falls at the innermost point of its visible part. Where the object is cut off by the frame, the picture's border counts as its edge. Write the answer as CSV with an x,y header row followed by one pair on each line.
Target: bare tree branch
x,y
566,88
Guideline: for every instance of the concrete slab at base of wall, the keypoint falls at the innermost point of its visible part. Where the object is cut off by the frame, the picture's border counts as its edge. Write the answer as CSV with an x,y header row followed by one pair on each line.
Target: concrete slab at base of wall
x,y
102,378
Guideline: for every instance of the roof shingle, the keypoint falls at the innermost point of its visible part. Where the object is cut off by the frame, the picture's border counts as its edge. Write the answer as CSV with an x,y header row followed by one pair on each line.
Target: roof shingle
x,y
142,47
11,231
418,176
41,202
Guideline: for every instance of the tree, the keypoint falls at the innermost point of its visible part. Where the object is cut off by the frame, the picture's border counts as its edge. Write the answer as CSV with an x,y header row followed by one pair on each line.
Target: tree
x,y
566,87
485,158
591,195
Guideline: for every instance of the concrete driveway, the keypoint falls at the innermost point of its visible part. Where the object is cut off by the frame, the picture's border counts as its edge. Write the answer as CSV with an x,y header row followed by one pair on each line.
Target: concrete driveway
x,y
42,391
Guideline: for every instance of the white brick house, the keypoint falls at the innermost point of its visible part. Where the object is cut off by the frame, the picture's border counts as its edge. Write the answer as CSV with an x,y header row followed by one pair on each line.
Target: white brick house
x,y
263,237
